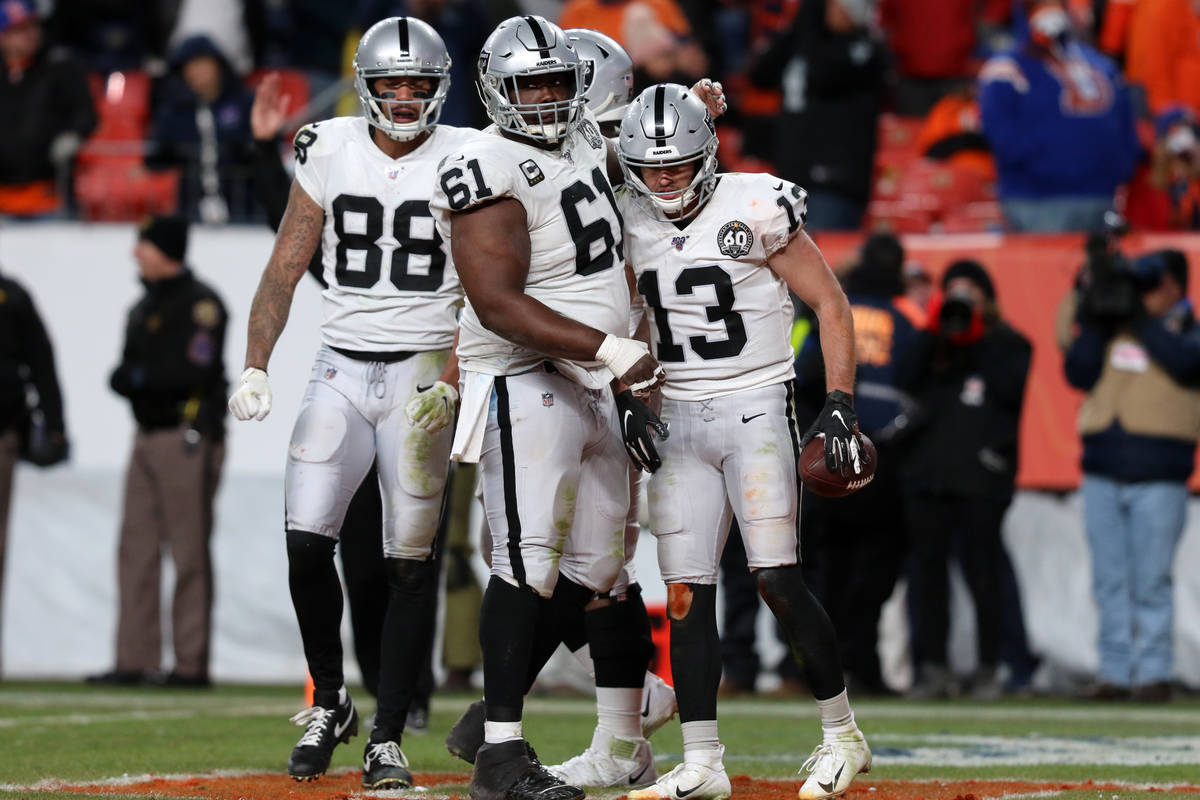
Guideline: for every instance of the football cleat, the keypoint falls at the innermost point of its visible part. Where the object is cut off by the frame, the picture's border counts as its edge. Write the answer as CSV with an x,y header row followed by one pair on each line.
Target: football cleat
x,y
510,771
609,761
834,764
658,704
690,781
324,729
385,767
466,737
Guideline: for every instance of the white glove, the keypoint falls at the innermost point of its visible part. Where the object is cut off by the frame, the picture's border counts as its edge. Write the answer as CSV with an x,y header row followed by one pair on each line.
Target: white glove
x,y
252,398
619,355
432,409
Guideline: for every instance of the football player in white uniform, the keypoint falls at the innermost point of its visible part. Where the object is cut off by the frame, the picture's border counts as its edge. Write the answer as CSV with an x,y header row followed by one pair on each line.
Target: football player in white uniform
x,y
533,224
361,193
714,258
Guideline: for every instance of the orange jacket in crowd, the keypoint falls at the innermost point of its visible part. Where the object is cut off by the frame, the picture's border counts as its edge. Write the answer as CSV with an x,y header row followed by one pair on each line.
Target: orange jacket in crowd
x,y
1161,43
609,18
953,133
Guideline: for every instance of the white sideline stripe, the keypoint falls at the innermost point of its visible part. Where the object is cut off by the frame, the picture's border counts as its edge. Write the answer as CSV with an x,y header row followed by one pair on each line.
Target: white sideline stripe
x,y
148,715
126,699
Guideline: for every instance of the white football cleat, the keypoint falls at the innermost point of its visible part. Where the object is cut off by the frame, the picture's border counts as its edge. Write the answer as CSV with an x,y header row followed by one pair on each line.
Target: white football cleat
x,y
658,704
609,761
834,765
690,781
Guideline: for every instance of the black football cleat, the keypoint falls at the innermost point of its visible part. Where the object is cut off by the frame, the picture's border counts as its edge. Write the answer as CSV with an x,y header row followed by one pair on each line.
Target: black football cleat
x,y
466,737
325,728
385,767
511,771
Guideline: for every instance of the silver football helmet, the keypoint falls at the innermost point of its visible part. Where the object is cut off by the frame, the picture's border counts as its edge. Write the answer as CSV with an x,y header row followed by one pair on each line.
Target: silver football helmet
x,y
520,47
607,74
401,46
664,126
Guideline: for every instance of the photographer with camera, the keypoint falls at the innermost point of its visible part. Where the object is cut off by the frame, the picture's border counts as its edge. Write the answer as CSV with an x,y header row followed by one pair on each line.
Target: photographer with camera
x,y
967,373
1132,343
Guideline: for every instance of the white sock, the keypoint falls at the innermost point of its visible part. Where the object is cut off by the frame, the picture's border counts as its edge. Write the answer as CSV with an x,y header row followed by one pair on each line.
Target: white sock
x,y
584,656
701,745
496,732
619,711
836,716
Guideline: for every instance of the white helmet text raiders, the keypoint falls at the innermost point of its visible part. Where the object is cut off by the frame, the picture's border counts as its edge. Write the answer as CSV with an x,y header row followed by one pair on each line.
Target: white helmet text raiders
x,y
395,47
607,74
665,126
527,46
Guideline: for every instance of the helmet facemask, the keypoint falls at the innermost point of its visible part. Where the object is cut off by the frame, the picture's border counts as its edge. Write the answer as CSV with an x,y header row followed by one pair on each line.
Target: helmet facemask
x,y
379,109
548,122
673,204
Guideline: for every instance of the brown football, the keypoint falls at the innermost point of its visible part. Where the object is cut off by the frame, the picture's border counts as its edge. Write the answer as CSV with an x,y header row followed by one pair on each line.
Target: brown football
x,y
818,479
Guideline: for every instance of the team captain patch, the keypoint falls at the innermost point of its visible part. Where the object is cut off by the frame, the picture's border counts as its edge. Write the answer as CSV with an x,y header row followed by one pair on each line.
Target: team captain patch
x,y
735,238
533,173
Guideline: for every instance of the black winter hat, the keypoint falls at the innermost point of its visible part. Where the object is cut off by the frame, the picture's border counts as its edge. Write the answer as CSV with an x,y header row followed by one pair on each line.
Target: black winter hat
x,y
972,271
169,234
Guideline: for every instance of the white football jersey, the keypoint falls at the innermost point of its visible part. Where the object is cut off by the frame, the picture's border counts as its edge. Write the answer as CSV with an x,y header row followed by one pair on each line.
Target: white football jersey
x,y
391,282
720,317
576,265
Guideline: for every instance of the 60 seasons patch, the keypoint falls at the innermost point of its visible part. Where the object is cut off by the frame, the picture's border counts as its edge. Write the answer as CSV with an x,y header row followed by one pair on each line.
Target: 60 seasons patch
x,y
735,239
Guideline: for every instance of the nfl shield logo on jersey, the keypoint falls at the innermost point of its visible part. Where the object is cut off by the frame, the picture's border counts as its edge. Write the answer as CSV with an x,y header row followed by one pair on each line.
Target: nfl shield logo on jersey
x,y
678,242
735,238
330,373
547,399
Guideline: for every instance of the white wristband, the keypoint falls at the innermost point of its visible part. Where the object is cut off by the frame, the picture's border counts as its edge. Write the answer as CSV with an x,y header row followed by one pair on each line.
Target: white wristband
x,y
619,355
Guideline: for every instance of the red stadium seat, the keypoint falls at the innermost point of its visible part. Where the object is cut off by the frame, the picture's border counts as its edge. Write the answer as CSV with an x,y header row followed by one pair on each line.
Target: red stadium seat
x,y
293,83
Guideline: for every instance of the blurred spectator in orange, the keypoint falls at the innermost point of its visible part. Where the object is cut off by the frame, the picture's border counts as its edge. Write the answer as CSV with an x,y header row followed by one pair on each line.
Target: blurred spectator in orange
x,y
1162,52
953,132
655,33
202,124
1114,28
1176,168
933,41
1060,122
831,67
111,35
49,112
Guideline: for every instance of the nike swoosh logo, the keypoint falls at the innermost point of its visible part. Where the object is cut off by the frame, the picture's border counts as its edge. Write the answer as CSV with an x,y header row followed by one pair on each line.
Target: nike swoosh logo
x,y
625,420
779,187
638,777
828,787
421,388
338,730
838,414
752,416
646,710
685,792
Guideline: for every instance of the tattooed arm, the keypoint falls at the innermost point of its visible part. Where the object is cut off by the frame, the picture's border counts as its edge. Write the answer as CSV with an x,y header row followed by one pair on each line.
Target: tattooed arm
x,y
299,236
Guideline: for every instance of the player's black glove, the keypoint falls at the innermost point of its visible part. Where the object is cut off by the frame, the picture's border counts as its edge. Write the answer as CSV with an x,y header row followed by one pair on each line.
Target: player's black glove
x,y
636,421
838,424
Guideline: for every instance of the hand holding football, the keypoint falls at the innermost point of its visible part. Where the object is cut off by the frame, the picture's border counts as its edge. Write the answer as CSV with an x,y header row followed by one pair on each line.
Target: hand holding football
x,y
818,479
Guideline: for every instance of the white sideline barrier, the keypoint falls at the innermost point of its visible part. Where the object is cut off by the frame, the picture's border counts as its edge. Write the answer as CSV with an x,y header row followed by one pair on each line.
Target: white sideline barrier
x,y
60,583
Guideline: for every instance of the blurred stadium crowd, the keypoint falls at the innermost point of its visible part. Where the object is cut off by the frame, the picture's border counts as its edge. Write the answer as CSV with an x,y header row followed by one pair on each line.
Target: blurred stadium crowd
x,y
904,115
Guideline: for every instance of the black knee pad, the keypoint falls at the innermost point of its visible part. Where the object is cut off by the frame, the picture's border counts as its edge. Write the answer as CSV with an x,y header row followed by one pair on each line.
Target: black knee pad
x,y
621,629
411,577
309,552
777,584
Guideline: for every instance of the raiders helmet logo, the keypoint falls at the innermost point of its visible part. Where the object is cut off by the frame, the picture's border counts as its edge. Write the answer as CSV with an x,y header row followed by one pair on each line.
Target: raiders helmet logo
x,y
735,239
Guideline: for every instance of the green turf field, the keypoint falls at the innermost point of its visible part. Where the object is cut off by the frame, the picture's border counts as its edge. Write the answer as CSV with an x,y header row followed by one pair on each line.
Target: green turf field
x,y
72,733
